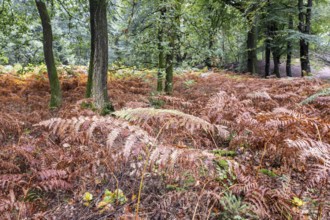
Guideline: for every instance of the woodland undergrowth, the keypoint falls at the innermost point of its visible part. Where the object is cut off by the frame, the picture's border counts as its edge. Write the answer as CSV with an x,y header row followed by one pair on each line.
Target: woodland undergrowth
x,y
224,147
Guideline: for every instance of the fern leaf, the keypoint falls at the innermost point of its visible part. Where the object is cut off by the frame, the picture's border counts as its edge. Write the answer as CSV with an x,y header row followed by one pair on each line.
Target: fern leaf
x,y
48,174
324,92
172,118
54,184
259,95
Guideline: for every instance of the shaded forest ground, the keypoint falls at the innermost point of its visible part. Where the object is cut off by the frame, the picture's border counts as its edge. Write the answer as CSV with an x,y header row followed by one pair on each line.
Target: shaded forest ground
x,y
322,72
223,145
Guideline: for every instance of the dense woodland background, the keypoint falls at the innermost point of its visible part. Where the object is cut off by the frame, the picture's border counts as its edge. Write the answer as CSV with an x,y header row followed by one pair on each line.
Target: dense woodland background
x,y
164,109
203,29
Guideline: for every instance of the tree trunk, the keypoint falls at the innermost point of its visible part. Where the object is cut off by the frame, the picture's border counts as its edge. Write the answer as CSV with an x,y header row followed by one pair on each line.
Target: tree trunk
x,y
55,88
91,58
251,50
276,59
304,27
100,66
172,33
267,66
170,66
289,49
208,60
177,35
161,56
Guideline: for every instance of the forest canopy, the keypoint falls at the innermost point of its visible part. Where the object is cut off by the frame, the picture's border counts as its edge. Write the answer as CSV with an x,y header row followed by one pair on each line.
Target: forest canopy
x,y
204,29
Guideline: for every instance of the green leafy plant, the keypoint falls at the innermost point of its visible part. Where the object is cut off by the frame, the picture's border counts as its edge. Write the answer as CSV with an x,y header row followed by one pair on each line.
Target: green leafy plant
x,y
268,173
225,153
233,207
189,83
116,197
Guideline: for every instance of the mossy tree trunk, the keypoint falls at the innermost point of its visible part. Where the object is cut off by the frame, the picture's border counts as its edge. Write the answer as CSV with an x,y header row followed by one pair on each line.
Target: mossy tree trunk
x,y
100,57
91,59
55,88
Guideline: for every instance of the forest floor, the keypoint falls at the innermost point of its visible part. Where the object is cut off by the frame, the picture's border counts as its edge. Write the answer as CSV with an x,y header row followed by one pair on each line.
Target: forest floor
x,y
223,146
319,71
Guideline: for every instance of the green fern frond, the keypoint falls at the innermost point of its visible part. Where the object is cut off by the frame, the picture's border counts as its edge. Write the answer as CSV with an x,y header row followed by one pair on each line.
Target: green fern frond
x,y
324,92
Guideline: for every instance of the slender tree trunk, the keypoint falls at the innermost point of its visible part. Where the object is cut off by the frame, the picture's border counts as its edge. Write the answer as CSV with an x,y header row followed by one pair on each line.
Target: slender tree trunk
x,y
170,66
267,44
289,50
251,50
178,12
92,51
208,60
55,88
161,64
304,27
100,66
267,66
161,56
172,33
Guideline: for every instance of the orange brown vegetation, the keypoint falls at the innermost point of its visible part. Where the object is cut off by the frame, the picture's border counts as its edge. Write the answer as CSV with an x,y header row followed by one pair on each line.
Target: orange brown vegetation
x,y
50,158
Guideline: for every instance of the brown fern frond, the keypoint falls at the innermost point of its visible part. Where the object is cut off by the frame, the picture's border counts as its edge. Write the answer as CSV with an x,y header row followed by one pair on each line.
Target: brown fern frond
x,y
9,126
217,102
170,118
169,156
259,95
311,148
259,203
54,184
318,175
8,166
126,141
5,205
7,179
175,101
287,96
48,174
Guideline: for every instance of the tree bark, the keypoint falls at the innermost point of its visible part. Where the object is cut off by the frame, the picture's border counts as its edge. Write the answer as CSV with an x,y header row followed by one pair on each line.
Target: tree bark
x,y
55,88
170,65
289,49
276,60
161,56
304,27
251,50
172,34
208,60
268,52
100,66
91,59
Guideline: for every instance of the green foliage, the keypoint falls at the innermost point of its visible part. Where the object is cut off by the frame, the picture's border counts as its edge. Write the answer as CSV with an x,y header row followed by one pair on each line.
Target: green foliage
x,y
88,105
116,197
223,164
189,83
233,207
156,103
108,109
268,173
225,153
324,92
33,195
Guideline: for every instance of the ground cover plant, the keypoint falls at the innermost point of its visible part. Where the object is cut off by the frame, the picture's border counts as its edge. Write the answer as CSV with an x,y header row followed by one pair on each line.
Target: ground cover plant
x,y
226,147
